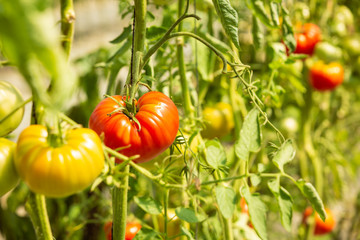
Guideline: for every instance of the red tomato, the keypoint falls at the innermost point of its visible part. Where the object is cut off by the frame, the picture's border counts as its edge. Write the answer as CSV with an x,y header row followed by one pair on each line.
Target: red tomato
x,y
307,38
326,76
158,118
130,232
245,209
321,227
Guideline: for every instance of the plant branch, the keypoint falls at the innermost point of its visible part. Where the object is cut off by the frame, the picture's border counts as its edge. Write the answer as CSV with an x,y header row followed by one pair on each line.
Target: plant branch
x,y
67,24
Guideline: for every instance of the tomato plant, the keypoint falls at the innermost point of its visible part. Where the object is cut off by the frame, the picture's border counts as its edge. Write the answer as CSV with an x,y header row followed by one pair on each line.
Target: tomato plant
x,y
321,227
158,123
132,229
218,120
58,170
307,37
326,76
8,175
13,99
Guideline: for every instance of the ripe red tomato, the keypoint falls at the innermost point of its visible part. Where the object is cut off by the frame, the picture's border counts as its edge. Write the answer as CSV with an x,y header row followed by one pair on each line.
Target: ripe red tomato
x,y
58,171
326,76
130,232
245,209
8,175
10,99
307,37
158,118
321,227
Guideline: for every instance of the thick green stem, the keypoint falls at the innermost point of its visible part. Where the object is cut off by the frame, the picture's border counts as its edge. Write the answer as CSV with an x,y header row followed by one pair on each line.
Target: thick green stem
x,y
67,24
36,208
119,199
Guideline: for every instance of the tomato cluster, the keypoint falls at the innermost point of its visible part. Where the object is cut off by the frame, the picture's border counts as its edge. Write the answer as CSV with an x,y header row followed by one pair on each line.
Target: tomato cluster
x,y
147,132
307,37
321,227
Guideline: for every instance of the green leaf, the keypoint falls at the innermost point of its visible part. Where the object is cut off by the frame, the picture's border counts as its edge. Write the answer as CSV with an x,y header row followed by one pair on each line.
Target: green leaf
x,y
149,205
155,32
274,11
258,9
125,33
258,35
215,154
218,44
188,215
255,180
225,198
147,234
312,195
288,33
229,19
257,212
186,233
284,201
285,154
250,136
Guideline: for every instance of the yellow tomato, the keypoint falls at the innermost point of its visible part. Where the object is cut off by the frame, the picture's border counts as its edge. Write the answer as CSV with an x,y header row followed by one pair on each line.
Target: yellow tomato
x,y
218,120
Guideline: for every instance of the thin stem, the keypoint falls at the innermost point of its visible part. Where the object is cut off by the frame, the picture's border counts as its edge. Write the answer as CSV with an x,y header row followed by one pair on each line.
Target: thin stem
x,y
166,203
36,208
119,199
67,24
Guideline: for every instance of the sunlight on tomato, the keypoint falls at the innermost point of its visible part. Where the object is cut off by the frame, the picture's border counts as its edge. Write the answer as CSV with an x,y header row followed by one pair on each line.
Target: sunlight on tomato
x,y
307,36
130,232
157,116
8,175
12,97
58,171
326,76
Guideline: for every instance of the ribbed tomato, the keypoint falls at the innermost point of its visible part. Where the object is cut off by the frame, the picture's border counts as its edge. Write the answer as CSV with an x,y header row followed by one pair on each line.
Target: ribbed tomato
x,y
10,99
58,171
158,118
306,38
321,227
8,175
326,76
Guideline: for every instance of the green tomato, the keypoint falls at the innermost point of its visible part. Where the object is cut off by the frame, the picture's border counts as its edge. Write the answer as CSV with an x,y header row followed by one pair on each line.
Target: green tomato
x,y
328,52
12,97
352,46
218,121
8,175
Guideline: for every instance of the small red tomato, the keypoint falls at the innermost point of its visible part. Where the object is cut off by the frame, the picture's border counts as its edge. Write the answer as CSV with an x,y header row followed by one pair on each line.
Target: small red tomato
x,y
130,232
157,116
307,38
245,209
321,227
326,76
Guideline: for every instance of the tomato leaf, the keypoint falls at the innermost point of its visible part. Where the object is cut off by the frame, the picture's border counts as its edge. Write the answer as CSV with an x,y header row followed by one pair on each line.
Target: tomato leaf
x,y
147,234
257,33
215,154
149,205
123,35
284,155
229,19
284,201
255,180
312,195
250,136
187,233
258,9
288,32
274,11
188,215
155,32
257,212
226,199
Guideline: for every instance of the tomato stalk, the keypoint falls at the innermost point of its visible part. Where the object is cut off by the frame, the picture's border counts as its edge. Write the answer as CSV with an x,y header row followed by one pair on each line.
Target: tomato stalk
x,y
36,208
67,24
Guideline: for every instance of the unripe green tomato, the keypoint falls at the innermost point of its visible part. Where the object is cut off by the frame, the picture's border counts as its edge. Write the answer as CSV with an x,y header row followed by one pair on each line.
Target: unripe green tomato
x,y
352,46
328,52
345,15
8,175
10,99
218,121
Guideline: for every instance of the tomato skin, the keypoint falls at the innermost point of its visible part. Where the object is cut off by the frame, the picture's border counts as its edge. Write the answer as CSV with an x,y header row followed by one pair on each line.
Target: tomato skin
x,y
328,52
8,175
307,38
321,227
325,77
218,120
12,97
58,171
130,232
157,115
